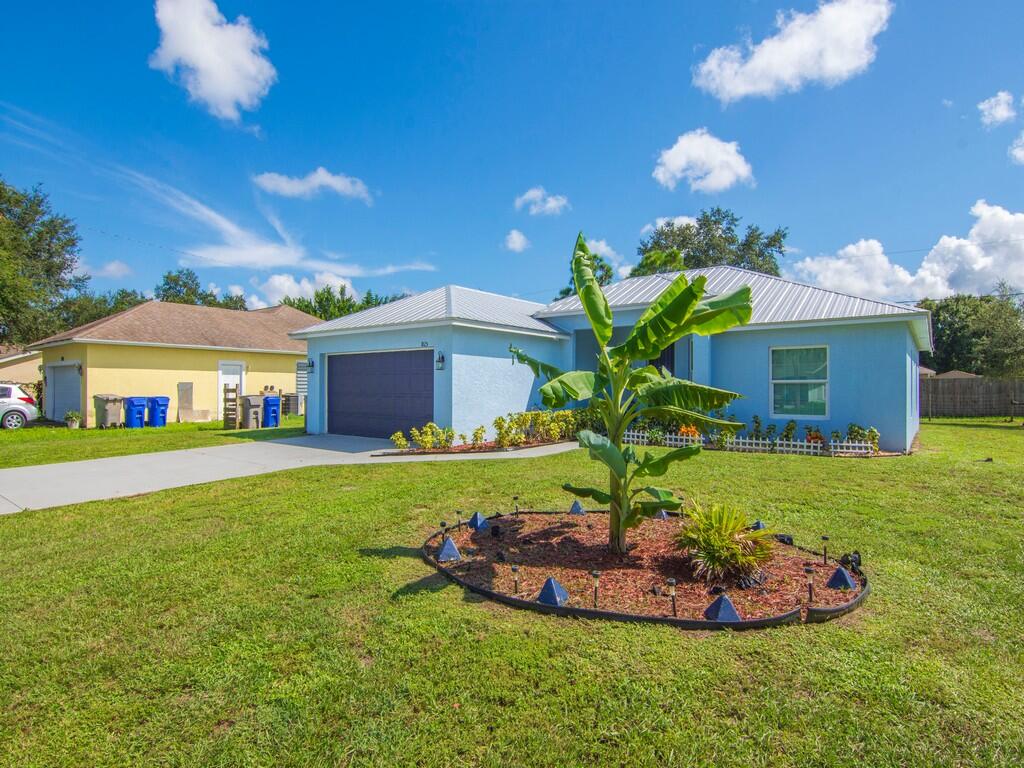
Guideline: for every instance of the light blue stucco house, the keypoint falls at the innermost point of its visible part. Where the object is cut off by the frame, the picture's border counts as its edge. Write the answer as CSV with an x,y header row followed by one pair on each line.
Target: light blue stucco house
x,y
808,354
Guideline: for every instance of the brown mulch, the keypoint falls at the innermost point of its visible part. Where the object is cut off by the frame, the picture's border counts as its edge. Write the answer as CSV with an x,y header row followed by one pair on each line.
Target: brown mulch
x,y
569,547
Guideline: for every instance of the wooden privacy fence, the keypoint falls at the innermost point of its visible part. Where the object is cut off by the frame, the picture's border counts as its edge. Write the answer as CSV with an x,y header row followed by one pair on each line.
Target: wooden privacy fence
x,y
971,397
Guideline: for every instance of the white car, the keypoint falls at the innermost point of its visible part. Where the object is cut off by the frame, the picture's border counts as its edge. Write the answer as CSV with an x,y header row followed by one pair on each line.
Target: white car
x,y
17,407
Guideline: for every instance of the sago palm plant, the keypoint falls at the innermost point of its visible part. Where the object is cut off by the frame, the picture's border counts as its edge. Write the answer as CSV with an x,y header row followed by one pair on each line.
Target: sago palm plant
x,y
624,388
720,543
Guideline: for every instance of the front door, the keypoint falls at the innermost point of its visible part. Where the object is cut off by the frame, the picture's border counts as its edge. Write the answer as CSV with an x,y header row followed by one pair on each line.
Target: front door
x,y
228,374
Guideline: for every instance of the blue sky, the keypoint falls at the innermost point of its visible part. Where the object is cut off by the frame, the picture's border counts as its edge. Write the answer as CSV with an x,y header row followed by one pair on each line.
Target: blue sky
x,y
182,134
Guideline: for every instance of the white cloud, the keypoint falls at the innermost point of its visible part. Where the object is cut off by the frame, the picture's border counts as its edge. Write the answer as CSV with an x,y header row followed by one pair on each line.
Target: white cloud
x,y
947,103
236,290
998,109
706,162
663,220
114,269
252,301
516,241
220,64
830,45
277,286
863,269
310,184
613,257
240,247
541,203
1016,150
213,288
355,270
993,250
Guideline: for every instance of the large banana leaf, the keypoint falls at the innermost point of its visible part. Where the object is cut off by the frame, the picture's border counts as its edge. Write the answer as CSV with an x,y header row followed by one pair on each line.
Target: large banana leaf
x,y
664,322
574,385
721,313
646,375
684,416
656,466
602,497
602,449
540,369
681,393
595,305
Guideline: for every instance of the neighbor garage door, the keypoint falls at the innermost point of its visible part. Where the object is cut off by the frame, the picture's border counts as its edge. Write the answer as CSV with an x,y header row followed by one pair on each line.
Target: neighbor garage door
x,y
378,394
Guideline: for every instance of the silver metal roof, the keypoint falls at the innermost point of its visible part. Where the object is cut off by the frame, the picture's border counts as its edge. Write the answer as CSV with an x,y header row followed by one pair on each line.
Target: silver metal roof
x,y
775,299
448,303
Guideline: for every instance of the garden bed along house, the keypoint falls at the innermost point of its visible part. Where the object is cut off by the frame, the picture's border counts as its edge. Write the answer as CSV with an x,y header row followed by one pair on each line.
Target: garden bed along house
x,y
560,562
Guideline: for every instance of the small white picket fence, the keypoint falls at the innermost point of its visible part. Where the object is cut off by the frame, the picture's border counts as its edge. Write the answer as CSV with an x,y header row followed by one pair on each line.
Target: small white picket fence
x,y
761,445
636,437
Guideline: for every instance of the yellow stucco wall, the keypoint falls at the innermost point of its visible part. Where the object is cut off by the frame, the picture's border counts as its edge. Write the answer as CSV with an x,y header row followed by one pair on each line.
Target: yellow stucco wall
x,y
22,371
146,371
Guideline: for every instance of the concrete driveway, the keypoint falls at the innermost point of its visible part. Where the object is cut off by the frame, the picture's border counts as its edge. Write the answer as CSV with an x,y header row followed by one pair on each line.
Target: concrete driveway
x,y
53,485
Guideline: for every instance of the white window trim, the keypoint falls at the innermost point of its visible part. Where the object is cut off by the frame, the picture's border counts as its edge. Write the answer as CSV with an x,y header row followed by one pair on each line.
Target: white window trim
x,y
773,381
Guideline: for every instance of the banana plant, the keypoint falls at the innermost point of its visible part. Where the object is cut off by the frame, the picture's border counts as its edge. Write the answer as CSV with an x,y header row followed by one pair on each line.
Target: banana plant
x,y
625,387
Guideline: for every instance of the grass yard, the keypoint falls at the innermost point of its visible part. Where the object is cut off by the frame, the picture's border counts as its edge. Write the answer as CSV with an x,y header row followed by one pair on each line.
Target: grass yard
x,y
287,620
44,444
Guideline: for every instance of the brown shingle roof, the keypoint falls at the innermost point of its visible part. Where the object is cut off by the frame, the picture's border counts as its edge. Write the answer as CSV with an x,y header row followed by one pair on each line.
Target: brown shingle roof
x,y
157,322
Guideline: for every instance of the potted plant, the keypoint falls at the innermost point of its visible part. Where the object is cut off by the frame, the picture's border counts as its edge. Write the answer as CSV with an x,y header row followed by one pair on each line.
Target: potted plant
x,y
72,419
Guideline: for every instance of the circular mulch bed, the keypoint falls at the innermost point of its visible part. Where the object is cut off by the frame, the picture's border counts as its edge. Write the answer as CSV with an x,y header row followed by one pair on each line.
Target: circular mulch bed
x,y
569,547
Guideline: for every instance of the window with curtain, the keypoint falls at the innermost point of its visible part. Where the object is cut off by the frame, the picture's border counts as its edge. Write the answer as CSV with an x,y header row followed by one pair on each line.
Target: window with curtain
x,y
799,381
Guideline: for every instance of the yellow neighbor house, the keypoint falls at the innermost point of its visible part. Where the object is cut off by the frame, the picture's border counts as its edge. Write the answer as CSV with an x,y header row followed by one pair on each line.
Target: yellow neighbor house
x,y
161,348
18,366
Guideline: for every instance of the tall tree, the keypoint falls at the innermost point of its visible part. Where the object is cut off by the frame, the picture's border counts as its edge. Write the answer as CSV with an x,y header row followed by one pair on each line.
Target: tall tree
x,y
328,303
182,286
711,241
977,334
84,306
38,256
953,331
999,334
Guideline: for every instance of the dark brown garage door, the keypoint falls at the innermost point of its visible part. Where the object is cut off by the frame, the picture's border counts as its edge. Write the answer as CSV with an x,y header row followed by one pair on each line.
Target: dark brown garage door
x,y
378,394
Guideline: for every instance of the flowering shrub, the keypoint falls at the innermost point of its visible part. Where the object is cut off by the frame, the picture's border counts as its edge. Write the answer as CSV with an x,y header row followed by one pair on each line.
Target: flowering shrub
x,y
478,435
400,442
813,434
688,430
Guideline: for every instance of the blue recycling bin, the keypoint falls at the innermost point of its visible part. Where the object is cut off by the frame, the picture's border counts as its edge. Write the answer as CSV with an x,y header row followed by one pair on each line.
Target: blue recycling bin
x,y
157,407
272,411
135,412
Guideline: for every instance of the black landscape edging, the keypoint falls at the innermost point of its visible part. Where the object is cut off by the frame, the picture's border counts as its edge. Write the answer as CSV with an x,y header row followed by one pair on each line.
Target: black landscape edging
x,y
814,615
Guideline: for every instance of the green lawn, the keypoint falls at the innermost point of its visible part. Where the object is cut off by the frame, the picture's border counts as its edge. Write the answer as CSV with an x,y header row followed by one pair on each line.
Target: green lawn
x,y
45,444
287,620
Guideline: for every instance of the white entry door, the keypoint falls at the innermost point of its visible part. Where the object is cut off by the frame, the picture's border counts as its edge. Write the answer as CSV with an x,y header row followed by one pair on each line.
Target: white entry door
x,y
230,374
